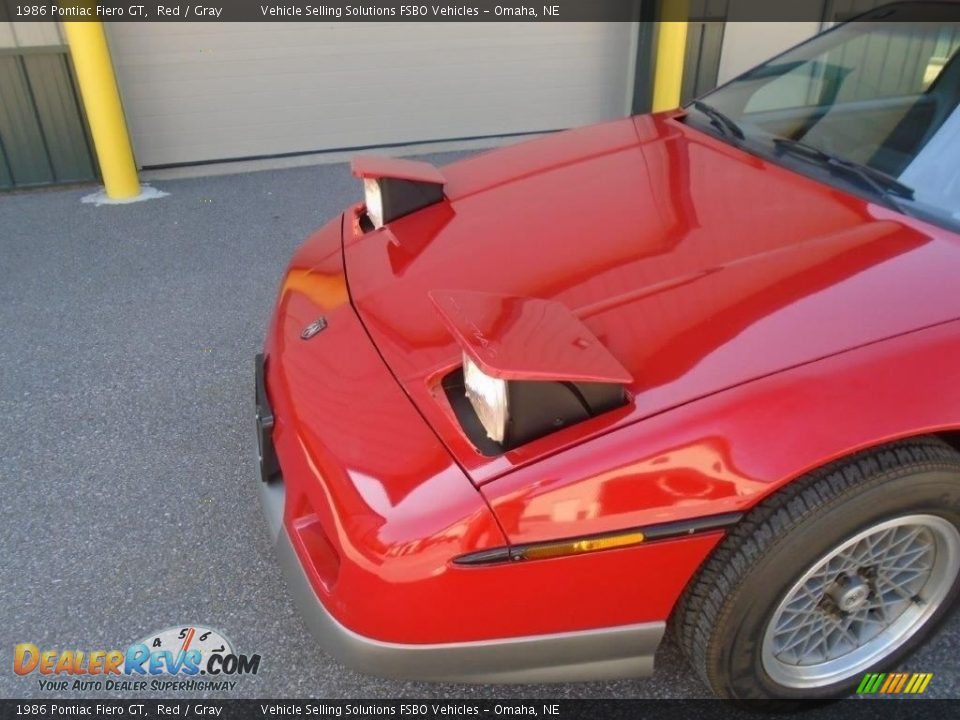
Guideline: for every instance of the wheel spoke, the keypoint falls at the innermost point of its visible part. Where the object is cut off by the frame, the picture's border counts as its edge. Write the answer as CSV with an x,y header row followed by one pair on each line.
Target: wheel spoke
x,y
908,556
799,634
894,587
905,577
844,627
799,620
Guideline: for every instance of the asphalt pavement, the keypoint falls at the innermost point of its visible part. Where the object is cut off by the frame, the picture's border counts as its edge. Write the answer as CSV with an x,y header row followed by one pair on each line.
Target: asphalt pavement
x,y
127,449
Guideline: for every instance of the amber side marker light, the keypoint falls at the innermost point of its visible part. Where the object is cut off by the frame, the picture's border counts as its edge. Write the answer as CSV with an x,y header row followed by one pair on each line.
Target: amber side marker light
x,y
573,547
596,543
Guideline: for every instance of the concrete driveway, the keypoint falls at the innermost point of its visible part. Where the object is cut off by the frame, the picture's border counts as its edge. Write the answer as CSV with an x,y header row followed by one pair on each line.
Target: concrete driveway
x,y
126,454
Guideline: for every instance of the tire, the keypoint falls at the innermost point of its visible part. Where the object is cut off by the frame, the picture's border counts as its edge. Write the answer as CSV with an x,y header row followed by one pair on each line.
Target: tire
x,y
894,507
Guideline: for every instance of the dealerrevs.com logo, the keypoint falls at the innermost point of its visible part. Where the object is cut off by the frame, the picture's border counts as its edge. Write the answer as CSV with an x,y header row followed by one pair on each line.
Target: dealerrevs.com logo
x,y
178,658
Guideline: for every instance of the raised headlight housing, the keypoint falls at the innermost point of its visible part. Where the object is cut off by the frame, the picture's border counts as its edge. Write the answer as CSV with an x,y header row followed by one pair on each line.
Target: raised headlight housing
x,y
499,415
529,368
394,187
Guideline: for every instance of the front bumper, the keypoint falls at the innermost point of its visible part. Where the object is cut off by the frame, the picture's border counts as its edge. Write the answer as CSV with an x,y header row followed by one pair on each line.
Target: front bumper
x,y
607,653
625,651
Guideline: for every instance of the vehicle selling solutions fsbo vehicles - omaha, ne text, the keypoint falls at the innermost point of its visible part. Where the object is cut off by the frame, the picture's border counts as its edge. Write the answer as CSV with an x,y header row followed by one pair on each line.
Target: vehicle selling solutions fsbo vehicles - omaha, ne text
x,y
518,412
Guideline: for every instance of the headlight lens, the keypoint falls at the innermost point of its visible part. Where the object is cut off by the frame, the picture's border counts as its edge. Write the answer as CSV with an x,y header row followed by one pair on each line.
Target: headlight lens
x,y
488,396
373,200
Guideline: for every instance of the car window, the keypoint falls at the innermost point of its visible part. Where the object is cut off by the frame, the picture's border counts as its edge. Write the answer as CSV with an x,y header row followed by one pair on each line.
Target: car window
x,y
880,94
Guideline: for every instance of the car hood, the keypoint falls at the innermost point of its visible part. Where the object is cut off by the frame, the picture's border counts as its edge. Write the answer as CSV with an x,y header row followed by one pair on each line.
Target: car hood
x,y
697,265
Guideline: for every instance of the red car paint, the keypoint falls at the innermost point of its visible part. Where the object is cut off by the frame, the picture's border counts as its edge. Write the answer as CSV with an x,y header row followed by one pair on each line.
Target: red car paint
x,y
698,266
526,338
767,321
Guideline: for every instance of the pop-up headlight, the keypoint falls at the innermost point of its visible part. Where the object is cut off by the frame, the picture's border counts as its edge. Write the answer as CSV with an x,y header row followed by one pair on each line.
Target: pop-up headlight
x,y
394,188
498,414
488,396
530,367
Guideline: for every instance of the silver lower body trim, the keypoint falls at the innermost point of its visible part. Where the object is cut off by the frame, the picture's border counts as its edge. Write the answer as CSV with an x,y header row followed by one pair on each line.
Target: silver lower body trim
x,y
602,654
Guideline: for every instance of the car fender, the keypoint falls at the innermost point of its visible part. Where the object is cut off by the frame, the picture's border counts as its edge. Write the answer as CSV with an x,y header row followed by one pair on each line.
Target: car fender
x,y
726,452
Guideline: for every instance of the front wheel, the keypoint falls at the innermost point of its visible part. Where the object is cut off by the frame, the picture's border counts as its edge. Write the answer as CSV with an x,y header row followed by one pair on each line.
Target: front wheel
x,y
844,572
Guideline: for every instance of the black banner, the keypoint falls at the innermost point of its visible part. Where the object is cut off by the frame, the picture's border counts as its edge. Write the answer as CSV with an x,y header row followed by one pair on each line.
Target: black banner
x,y
332,11
324,11
425,709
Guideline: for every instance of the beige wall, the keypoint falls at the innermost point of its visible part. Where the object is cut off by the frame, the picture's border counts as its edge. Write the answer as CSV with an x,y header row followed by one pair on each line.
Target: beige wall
x,y
746,44
30,34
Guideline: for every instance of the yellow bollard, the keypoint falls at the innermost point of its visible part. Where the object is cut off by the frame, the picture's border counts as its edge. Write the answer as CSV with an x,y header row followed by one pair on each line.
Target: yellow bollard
x,y
101,102
671,50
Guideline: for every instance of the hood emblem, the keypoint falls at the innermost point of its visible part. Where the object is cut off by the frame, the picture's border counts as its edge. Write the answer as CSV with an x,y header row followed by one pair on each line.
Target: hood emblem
x,y
313,328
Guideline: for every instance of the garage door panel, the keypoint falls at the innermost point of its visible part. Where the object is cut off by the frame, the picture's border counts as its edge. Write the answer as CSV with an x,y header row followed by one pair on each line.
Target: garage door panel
x,y
216,63
538,107
211,91
335,38
294,92
188,144
145,80
367,129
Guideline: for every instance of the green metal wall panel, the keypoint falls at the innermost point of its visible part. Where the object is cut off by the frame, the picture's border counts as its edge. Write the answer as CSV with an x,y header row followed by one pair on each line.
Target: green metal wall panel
x,y
43,136
702,63
22,140
6,179
59,116
704,45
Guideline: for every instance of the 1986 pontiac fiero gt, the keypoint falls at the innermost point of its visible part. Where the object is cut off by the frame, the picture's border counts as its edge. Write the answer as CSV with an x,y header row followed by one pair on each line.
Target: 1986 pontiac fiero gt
x,y
519,413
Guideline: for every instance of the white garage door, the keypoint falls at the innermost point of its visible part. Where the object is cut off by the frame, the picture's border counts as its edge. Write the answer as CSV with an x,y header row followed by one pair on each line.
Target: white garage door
x,y
214,91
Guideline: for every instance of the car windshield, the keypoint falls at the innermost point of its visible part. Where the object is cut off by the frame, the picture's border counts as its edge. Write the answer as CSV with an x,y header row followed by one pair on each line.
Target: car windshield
x,y
870,106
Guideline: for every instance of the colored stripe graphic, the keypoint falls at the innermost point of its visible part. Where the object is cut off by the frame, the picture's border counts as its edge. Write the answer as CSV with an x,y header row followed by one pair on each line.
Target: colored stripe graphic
x,y
901,682
871,683
918,683
894,683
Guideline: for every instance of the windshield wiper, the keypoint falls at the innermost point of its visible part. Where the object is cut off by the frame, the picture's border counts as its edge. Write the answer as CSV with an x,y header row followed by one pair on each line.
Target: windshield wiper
x,y
883,186
720,120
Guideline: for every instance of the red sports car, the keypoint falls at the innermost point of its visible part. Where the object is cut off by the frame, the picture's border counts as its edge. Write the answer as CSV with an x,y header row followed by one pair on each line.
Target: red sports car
x,y
520,413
